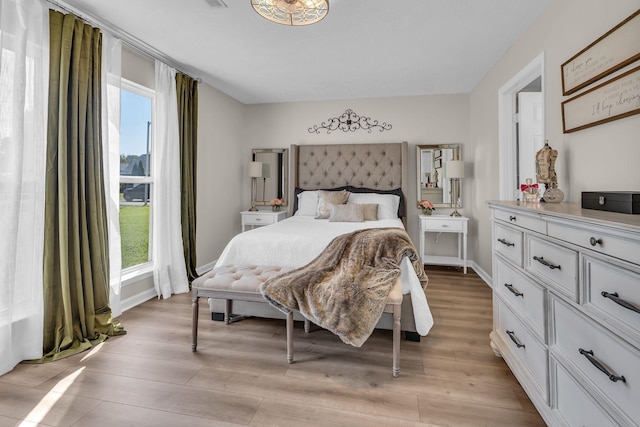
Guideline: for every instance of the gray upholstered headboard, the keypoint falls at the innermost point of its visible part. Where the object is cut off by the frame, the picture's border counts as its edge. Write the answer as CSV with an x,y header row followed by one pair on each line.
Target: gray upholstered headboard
x,y
374,166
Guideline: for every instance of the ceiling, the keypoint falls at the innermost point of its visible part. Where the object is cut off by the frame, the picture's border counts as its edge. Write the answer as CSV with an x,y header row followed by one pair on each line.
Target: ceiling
x,y
362,49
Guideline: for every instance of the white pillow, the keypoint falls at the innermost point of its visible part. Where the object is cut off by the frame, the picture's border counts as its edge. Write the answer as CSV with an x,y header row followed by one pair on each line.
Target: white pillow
x,y
387,203
307,203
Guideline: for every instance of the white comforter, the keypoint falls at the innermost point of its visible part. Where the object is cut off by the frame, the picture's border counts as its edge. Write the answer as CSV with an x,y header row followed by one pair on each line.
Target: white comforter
x,y
298,240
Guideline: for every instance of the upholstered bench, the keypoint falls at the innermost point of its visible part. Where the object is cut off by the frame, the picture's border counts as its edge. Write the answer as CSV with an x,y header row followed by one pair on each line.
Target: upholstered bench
x,y
243,283
235,283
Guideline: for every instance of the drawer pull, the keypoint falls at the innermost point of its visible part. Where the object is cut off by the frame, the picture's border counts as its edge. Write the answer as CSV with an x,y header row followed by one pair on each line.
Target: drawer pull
x,y
615,298
504,242
595,362
595,241
512,218
515,340
514,290
542,261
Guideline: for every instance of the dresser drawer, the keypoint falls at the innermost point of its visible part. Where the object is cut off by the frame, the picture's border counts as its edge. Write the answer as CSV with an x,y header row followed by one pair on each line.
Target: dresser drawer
x,y
556,265
585,345
523,295
258,218
598,239
612,294
574,404
508,243
530,222
443,225
531,353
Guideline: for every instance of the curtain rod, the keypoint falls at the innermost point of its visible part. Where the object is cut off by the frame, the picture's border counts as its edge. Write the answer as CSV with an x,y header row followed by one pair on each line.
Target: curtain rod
x,y
130,40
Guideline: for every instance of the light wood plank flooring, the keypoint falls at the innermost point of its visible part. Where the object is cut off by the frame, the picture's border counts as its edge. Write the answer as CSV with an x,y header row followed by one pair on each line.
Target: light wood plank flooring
x,y
239,376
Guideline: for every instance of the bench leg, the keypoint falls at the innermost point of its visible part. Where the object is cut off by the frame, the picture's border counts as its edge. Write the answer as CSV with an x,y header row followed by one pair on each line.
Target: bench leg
x,y
195,308
227,311
290,337
396,340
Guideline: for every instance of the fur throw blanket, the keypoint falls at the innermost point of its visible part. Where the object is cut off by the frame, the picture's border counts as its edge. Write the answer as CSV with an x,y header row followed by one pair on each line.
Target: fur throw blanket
x,y
345,288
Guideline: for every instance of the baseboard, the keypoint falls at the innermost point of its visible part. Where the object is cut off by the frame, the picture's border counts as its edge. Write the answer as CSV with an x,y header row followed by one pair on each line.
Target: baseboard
x,y
483,274
204,268
137,299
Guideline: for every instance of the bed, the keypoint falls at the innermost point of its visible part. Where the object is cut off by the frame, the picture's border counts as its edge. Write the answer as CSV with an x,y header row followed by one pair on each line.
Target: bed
x,y
370,173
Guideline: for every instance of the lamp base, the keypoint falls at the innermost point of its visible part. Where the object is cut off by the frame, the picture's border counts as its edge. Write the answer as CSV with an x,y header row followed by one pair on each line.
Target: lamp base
x,y
252,209
455,213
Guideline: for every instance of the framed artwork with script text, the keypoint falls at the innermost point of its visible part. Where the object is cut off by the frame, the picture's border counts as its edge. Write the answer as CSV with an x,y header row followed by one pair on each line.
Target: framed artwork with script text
x,y
612,100
615,49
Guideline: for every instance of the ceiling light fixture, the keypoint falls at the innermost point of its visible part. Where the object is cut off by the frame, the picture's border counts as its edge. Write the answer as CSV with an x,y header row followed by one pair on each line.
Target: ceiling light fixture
x,y
292,12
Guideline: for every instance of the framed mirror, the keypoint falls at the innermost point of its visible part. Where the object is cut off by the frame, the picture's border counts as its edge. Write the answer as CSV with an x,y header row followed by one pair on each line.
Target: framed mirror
x,y
274,183
432,184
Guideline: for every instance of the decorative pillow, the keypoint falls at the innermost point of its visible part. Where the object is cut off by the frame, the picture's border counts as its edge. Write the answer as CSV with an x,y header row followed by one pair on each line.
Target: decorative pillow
x,y
307,203
387,203
326,198
350,212
370,211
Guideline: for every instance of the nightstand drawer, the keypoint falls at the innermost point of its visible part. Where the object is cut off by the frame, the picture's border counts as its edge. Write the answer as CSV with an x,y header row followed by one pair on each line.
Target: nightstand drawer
x,y
592,350
442,225
259,219
556,265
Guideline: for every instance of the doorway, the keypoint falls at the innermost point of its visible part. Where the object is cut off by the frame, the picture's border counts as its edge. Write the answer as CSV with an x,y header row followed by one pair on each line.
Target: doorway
x,y
521,127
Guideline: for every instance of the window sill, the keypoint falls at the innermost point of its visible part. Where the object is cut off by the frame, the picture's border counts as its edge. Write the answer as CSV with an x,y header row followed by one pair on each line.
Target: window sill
x,y
137,273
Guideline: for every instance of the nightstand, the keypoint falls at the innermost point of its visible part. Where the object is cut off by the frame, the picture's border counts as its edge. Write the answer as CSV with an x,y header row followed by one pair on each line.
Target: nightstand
x,y
445,224
259,218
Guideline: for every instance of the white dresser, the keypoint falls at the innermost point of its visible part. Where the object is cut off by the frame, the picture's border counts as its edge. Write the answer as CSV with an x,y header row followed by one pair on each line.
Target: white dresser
x,y
566,308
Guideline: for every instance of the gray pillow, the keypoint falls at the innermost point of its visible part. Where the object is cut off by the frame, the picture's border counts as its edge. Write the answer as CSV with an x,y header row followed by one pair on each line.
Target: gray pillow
x,y
346,213
327,198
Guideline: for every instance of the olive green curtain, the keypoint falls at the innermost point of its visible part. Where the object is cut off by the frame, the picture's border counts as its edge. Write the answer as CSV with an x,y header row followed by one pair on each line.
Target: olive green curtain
x,y
187,91
76,264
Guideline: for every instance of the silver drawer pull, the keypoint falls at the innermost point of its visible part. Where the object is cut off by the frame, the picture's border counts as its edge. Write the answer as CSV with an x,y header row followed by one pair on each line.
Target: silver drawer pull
x,y
593,241
542,261
616,298
258,219
595,362
504,242
514,290
515,340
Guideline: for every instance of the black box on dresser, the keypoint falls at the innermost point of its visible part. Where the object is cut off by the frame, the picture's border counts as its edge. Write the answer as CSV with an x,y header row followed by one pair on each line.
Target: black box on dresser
x,y
613,201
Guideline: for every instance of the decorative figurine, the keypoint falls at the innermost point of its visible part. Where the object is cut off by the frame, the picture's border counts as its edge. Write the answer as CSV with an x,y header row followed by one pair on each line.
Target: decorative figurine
x,y
546,174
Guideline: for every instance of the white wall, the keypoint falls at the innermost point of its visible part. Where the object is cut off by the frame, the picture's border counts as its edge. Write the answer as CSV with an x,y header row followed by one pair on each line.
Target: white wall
x,y
598,158
436,119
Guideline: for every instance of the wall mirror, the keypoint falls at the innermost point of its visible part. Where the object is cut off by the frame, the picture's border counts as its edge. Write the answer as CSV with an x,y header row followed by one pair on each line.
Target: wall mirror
x,y
432,183
274,182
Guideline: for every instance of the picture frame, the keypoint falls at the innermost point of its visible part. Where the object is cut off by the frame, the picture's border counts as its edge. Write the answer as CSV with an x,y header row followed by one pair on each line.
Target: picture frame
x,y
437,163
614,99
611,52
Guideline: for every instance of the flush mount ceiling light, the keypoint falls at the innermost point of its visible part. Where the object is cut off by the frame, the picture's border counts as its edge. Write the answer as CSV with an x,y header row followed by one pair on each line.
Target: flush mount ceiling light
x,y
292,12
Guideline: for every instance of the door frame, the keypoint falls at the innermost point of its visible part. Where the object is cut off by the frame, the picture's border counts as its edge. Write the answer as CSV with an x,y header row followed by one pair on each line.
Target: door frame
x,y
507,134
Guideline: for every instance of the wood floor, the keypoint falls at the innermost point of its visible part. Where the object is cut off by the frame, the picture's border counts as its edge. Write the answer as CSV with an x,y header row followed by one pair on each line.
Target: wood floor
x,y
239,375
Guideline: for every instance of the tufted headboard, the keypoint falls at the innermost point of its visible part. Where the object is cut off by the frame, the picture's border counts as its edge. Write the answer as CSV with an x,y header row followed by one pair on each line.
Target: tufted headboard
x,y
376,166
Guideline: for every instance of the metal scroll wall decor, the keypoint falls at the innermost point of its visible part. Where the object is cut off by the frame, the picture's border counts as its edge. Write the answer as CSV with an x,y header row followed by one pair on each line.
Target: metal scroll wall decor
x,y
350,121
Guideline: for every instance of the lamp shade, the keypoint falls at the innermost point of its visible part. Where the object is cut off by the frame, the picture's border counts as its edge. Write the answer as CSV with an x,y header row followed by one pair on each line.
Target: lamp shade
x,y
255,169
454,169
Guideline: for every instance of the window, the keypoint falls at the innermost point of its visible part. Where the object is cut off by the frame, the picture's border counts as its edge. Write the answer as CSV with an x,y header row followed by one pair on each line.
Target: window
x,y
136,179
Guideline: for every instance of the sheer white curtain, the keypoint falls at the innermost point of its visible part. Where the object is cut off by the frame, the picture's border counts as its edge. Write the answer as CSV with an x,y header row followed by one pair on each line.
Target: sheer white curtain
x,y
24,69
169,271
111,85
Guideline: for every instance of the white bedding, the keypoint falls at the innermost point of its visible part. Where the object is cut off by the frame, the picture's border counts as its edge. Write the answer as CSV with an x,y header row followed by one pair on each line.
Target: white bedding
x,y
298,240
